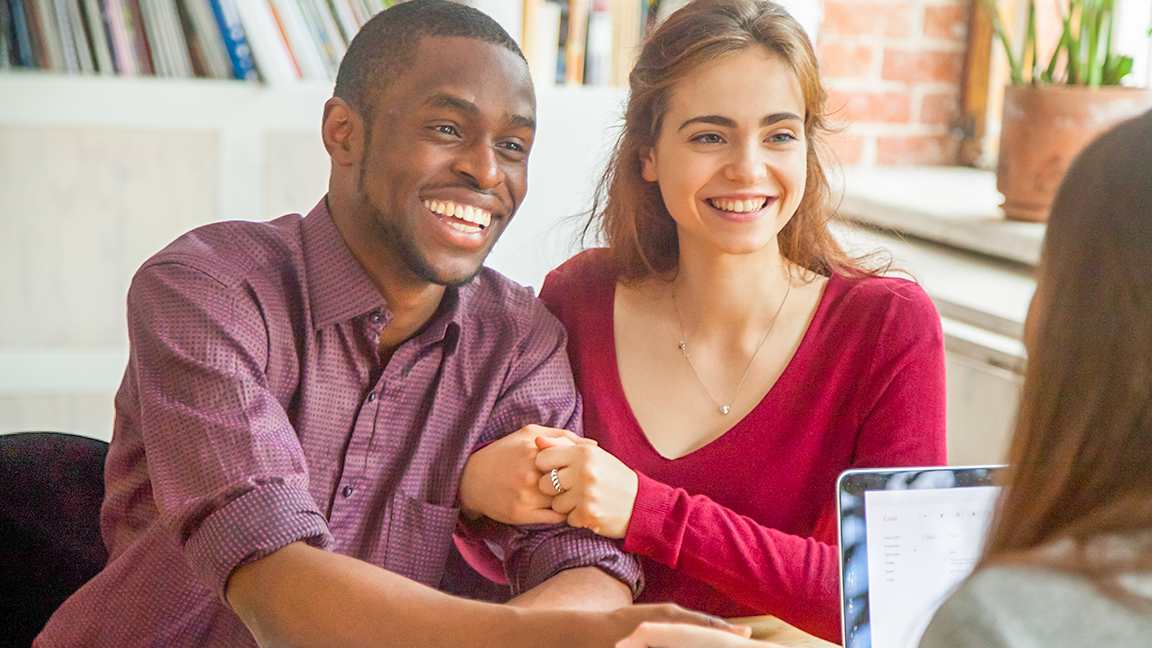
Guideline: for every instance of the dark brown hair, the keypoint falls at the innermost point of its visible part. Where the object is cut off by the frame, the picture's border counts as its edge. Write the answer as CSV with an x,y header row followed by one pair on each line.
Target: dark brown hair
x,y
629,212
1081,458
386,45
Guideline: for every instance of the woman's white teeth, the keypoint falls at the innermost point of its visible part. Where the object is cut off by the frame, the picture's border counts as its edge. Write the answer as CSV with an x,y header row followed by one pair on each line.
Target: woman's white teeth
x,y
738,206
477,217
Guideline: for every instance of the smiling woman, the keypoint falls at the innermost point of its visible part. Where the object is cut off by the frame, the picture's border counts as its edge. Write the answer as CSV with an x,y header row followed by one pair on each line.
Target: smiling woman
x,y
730,163
733,359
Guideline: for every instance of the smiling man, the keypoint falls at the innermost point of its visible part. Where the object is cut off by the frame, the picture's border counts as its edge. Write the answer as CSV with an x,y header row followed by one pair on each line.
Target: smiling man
x,y
302,395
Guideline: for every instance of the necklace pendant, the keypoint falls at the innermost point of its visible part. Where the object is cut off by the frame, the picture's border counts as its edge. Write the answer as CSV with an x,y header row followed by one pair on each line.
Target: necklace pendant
x,y
723,409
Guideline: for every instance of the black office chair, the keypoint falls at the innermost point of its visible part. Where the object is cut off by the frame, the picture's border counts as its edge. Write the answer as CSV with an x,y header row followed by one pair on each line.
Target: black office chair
x,y
50,544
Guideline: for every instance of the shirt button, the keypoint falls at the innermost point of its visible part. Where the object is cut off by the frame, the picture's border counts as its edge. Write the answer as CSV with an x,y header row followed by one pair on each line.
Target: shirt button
x,y
348,490
371,397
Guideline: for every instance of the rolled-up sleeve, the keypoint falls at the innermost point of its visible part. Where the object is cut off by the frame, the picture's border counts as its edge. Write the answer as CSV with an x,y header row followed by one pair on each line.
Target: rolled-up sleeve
x,y
226,468
540,390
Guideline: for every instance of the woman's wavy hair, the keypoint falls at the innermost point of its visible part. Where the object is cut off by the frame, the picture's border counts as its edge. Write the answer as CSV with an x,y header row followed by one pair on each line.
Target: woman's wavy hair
x,y
1080,462
629,212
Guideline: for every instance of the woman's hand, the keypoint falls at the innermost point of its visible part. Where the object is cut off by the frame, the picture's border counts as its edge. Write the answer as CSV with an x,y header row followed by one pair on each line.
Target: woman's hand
x,y
501,480
666,635
598,489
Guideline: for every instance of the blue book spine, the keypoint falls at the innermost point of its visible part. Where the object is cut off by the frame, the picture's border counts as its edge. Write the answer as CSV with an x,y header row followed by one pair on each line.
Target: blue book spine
x,y
234,40
107,20
21,35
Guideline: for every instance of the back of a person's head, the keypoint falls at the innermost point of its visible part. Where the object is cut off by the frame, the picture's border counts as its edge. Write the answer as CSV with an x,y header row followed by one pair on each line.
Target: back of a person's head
x,y
1081,459
387,42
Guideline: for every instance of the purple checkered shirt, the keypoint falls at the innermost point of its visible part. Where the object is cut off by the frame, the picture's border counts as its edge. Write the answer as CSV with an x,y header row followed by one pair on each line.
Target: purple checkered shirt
x,y
255,412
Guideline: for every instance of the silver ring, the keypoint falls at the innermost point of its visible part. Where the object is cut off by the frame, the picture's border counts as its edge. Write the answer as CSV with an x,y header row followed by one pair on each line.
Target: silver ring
x,y
556,481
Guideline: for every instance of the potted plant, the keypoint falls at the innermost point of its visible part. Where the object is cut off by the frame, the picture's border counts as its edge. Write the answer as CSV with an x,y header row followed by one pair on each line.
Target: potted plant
x,y
1052,111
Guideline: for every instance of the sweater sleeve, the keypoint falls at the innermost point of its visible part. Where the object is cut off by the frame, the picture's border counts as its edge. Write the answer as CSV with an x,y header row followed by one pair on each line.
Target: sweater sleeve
x,y
789,576
226,467
900,421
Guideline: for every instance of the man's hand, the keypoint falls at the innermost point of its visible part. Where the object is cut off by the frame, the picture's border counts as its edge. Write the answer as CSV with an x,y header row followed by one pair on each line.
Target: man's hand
x,y
599,490
664,635
501,480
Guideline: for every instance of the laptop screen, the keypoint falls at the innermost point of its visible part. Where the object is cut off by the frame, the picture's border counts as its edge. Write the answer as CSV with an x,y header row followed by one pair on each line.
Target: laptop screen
x,y
907,538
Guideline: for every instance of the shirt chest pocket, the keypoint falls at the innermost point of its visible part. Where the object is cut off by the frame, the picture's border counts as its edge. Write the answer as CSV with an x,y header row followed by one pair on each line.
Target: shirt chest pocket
x,y
418,538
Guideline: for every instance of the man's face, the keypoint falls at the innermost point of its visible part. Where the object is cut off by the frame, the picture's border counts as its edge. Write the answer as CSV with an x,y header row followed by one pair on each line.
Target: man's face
x,y
447,163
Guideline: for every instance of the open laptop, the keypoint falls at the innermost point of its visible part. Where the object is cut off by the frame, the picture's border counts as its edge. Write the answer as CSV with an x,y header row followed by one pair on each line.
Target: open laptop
x,y
908,536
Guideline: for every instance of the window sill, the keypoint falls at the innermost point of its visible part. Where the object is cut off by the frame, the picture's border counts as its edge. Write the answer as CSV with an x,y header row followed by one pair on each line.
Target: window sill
x,y
953,206
944,226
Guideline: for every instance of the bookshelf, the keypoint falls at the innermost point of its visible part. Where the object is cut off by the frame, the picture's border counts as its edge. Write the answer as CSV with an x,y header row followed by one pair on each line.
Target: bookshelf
x,y
285,41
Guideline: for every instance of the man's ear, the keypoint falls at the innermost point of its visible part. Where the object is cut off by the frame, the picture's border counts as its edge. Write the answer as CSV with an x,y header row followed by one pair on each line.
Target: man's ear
x,y
343,132
648,164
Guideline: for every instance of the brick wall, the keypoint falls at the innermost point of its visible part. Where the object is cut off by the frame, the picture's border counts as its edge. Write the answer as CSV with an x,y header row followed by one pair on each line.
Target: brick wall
x,y
893,69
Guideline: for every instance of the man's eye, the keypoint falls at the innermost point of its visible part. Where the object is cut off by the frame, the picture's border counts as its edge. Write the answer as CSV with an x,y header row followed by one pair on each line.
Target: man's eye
x,y
446,129
515,147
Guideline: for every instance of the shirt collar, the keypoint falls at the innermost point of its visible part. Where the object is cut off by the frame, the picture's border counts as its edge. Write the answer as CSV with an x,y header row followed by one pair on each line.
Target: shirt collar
x,y
339,289
446,323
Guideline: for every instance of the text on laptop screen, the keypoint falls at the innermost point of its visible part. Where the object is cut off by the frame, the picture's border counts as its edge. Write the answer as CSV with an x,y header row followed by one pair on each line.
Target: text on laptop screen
x,y
921,544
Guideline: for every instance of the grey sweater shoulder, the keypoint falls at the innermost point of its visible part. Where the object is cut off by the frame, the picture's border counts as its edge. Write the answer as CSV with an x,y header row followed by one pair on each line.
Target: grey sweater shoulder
x,y
1026,607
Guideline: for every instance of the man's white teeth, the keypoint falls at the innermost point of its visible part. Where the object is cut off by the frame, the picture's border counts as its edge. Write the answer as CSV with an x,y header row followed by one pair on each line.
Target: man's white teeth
x,y
479,218
467,229
739,206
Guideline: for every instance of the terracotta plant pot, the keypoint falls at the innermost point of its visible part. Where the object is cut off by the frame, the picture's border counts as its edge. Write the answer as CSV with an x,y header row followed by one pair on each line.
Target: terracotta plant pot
x,y
1043,129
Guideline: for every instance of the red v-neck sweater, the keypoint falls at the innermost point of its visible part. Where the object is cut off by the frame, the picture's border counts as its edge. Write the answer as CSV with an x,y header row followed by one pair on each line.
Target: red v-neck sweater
x,y
747,524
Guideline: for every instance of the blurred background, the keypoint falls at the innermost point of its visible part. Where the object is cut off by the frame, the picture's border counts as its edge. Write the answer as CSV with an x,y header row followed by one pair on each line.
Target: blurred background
x,y
124,123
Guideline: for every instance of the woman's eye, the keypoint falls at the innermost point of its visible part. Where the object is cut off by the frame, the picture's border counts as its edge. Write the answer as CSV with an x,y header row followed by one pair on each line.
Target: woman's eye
x,y
708,138
781,138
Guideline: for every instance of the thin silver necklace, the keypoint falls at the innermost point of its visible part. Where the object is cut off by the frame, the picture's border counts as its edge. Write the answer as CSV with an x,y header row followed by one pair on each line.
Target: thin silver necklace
x,y
683,346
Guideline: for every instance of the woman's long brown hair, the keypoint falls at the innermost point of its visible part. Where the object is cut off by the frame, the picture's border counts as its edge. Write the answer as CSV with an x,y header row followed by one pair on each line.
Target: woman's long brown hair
x,y
1080,463
629,212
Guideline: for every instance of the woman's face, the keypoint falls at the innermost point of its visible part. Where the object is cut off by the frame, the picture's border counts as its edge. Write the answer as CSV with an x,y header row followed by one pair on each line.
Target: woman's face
x,y
730,157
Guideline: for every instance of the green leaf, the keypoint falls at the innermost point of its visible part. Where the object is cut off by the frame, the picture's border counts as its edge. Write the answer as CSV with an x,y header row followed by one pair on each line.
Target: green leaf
x,y
1031,54
1002,35
1066,36
1117,68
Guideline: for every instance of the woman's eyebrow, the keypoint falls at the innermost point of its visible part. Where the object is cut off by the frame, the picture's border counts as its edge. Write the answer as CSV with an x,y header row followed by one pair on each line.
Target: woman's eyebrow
x,y
718,120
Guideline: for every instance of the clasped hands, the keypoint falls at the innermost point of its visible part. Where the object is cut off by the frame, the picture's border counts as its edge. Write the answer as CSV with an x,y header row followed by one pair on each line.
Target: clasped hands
x,y
509,480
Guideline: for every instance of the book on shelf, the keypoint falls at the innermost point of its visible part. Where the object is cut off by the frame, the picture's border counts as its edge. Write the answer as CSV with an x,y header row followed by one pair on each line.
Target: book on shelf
x,y
235,41
98,36
589,42
598,47
121,36
134,20
43,14
269,47
283,41
575,41
20,47
206,47
541,40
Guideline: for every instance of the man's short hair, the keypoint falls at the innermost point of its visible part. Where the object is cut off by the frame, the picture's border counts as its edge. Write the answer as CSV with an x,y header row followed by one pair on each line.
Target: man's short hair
x,y
387,43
